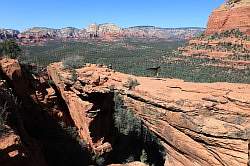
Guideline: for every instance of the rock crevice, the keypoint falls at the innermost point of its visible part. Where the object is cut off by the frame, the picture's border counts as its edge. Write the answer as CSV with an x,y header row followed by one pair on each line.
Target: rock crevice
x,y
205,128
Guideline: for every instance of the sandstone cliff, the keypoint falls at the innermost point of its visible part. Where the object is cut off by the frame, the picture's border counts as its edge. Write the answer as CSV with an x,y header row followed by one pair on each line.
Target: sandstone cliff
x,y
227,37
16,146
197,123
152,32
230,16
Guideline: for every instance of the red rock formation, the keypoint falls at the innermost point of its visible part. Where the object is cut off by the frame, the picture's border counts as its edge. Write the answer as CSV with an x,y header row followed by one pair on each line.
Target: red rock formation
x,y
199,124
226,36
81,111
16,147
227,17
12,151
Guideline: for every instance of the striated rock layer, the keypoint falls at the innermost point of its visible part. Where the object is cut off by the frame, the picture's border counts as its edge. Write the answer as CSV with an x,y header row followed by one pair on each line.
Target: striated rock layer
x,y
227,17
199,124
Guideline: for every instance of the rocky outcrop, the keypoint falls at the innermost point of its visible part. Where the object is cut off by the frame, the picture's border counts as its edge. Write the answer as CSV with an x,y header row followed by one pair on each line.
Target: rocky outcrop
x,y
12,70
69,32
12,151
83,112
229,16
198,124
226,38
106,31
8,34
16,147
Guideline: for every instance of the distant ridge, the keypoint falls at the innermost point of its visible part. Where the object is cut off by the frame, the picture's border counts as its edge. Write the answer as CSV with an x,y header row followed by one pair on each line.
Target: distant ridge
x,y
105,31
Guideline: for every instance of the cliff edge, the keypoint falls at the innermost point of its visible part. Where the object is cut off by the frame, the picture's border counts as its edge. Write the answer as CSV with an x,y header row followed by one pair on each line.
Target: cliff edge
x,y
197,123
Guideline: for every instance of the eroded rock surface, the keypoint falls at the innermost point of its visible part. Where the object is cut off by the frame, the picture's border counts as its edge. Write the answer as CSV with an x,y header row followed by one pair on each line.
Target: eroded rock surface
x,y
198,123
230,16
227,37
12,151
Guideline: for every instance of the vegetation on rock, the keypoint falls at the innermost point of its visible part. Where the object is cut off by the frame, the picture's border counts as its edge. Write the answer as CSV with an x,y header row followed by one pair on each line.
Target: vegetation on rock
x,y
134,136
229,2
8,106
74,62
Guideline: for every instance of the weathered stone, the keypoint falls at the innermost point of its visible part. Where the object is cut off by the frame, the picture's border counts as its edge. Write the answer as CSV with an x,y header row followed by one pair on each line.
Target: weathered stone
x,y
227,17
199,124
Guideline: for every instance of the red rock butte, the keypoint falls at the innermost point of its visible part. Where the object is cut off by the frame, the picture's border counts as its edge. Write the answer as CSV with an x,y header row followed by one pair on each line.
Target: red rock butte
x,y
230,16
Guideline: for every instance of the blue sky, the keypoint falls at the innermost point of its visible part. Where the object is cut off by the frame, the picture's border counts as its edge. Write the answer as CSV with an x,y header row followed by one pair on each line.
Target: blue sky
x,y
22,14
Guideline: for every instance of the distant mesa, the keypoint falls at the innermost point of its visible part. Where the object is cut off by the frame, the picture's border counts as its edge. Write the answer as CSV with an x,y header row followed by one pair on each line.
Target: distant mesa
x,y
106,31
8,34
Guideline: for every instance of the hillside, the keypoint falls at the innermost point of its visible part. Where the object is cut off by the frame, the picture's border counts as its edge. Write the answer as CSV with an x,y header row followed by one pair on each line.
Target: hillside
x,y
227,37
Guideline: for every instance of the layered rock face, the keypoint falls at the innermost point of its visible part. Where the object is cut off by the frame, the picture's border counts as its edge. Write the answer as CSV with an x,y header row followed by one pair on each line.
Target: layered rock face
x,y
103,28
106,31
199,124
162,33
230,16
227,37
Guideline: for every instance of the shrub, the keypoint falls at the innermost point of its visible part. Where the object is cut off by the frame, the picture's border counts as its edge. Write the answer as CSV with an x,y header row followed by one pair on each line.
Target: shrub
x,y
3,115
74,75
74,62
131,83
8,106
130,127
144,156
1,50
124,119
130,159
51,82
229,2
100,161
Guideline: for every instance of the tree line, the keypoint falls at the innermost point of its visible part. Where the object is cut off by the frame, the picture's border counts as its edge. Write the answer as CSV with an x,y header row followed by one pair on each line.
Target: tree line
x,y
10,49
